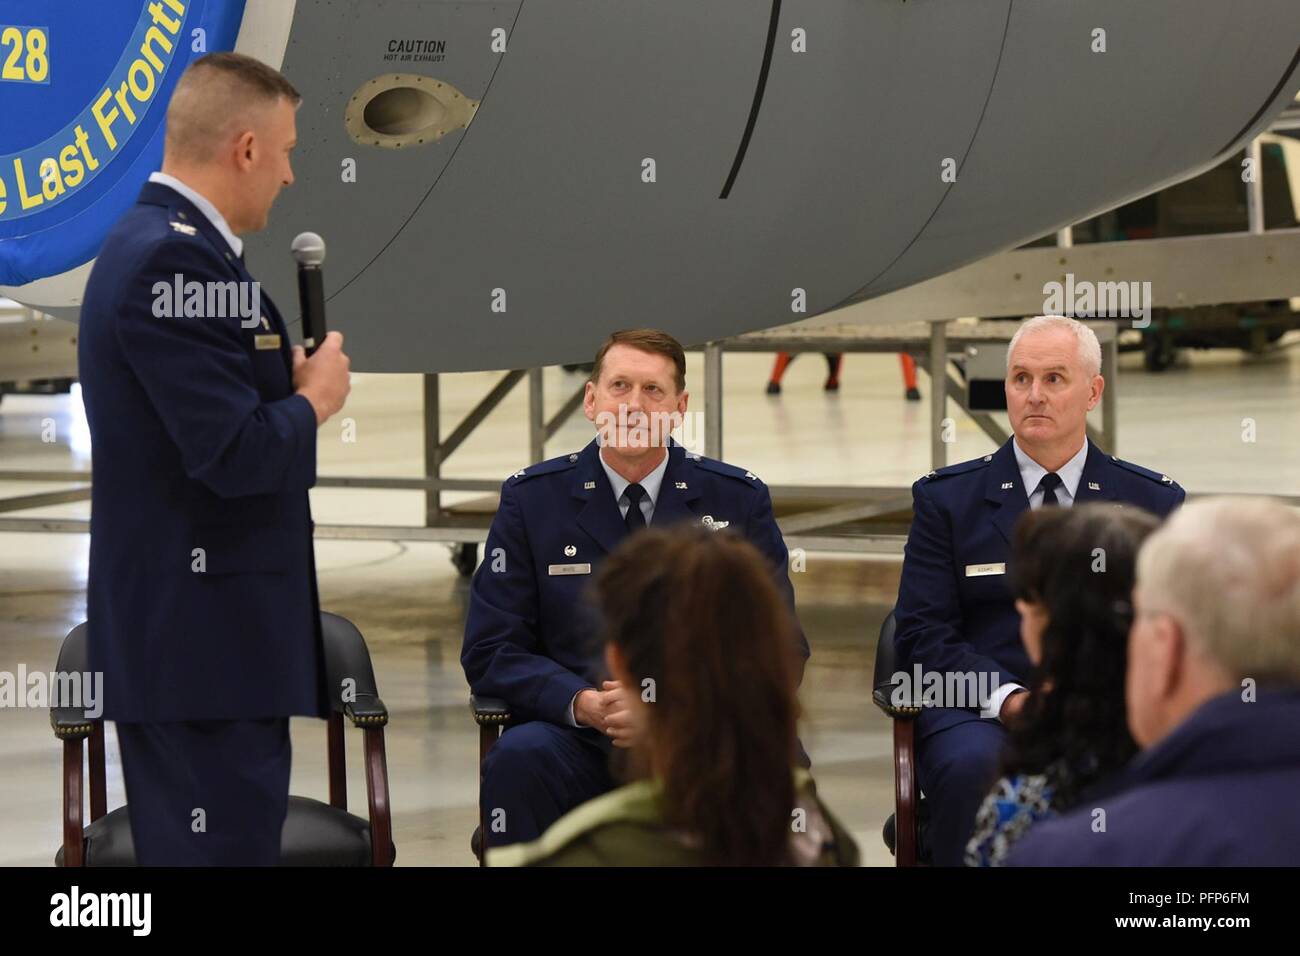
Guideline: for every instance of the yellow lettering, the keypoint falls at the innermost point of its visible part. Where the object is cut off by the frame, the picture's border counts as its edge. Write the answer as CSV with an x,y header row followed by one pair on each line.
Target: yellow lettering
x,y
177,6
142,67
51,181
120,96
147,50
106,122
3,204
159,17
83,144
28,202
72,166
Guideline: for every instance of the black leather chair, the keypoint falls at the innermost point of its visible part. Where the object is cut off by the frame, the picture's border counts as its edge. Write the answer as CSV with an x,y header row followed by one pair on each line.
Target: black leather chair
x,y
491,715
904,830
315,833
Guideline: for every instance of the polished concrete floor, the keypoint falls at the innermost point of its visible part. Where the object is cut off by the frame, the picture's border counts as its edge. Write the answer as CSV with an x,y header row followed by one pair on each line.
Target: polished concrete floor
x,y
409,602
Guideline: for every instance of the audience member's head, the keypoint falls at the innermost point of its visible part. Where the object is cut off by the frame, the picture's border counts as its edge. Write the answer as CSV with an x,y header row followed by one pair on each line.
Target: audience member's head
x,y
1053,381
1072,575
1217,603
697,630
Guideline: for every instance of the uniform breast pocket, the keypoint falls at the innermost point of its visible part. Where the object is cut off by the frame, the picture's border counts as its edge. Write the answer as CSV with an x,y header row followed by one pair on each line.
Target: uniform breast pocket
x,y
236,549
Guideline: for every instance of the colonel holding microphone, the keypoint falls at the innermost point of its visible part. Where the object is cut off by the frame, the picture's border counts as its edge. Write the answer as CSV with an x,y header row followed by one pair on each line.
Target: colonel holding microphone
x,y
202,606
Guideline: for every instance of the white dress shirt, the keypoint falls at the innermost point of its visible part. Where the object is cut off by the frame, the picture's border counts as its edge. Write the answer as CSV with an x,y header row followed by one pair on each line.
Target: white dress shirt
x,y
1031,473
651,483
202,204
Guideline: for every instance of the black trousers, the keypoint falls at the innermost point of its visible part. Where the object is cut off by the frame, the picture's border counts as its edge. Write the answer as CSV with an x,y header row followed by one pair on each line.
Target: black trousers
x,y
207,792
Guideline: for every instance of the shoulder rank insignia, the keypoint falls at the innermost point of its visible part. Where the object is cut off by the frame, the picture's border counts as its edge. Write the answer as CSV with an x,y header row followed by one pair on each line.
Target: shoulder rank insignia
x,y
750,475
183,228
588,485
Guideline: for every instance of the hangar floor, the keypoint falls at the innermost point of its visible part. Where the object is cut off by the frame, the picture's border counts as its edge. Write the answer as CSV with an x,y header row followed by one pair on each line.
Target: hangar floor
x,y
409,602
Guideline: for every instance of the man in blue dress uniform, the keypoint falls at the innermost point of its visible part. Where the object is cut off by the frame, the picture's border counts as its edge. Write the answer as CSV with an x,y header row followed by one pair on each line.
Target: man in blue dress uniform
x,y
202,608
529,637
955,613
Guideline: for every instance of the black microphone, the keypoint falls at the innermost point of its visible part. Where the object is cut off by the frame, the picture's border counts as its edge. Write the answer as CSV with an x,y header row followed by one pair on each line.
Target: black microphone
x,y
309,249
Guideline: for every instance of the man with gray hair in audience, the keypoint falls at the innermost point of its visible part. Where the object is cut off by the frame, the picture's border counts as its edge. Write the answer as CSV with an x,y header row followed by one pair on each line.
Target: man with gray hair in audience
x,y
956,616
1213,697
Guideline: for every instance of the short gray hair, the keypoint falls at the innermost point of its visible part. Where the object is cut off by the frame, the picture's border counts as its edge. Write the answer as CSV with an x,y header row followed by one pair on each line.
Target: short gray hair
x,y
1228,570
1089,347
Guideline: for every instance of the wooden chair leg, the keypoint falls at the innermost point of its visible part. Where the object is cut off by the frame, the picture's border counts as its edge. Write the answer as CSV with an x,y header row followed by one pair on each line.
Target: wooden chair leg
x,y
74,839
905,795
381,821
337,763
98,781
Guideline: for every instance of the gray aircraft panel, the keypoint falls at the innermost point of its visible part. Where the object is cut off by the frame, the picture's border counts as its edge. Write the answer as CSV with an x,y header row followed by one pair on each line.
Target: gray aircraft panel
x,y
580,244
837,193
335,50
1070,132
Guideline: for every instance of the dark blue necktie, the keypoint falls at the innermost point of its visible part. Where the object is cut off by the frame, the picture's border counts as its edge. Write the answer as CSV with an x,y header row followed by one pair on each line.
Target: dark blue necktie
x,y
1051,481
634,519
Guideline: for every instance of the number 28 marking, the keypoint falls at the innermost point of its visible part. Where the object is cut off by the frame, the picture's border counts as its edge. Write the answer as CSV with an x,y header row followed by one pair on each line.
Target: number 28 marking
x,y
35,67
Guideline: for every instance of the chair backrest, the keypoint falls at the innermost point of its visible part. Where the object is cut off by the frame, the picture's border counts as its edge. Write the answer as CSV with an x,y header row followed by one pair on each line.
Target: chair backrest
x,y
347,659
71,721
886,653
72,652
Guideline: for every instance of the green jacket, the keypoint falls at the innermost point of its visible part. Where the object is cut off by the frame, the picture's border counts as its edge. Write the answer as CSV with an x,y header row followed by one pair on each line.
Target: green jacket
x,y
624,828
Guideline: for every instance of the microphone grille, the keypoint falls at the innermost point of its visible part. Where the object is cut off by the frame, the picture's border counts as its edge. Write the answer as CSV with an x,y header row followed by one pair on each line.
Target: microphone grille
x,y
309,249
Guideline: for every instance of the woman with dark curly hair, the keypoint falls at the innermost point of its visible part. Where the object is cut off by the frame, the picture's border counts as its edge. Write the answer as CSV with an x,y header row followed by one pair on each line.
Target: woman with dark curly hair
x,y
1072,574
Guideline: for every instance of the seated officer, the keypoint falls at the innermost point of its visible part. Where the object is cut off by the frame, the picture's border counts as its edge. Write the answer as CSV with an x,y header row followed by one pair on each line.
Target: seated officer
x,y
529,638
712,667
1213,694
955,612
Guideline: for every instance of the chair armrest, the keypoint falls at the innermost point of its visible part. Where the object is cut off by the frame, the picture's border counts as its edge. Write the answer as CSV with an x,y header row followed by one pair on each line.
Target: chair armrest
x,y
883,696
366,711
489,710
70,723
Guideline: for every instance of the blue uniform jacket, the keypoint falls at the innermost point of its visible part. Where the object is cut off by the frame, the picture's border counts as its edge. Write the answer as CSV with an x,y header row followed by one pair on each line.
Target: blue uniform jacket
x,y
955,611
530,636
1220,790
201,596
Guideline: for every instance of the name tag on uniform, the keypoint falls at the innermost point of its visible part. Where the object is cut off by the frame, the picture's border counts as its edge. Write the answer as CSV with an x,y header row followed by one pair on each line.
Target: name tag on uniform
x,y
980,570
554,569
266,342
